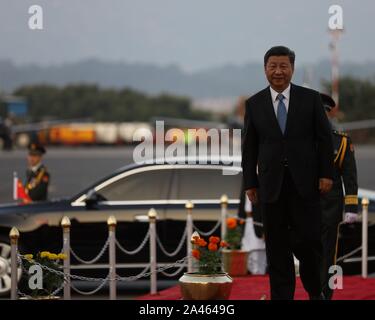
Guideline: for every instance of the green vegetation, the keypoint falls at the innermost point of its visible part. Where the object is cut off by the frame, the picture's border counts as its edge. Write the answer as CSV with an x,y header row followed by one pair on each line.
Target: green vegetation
x,y
90,101
357,102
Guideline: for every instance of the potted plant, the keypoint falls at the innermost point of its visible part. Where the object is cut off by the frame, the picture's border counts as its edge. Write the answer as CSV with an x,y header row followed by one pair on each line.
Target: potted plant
x,y
209,282
235,259
51,281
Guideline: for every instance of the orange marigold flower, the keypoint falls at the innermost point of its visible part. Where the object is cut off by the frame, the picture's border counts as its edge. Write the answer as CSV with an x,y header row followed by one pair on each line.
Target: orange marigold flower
x,y
196,254
223,244
201,242
231,223
212,246
214,239
195,240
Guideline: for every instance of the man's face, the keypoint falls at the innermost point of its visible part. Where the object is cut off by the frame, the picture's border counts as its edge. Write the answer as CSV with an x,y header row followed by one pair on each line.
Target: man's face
x,y
33,159
279,72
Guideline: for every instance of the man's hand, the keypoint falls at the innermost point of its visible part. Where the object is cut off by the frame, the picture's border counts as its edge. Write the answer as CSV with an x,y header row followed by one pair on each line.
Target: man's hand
x,y
325,185
350,217
252,195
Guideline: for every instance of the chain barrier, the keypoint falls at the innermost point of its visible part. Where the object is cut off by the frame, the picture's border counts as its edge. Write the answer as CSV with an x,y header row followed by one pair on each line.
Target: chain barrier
x,y
160,269
135,251
180,245
179,264
205,234
54,293
132,278
173,273
62,274
88,293
255,223
58,289
19,261
92,260
349,254
259,224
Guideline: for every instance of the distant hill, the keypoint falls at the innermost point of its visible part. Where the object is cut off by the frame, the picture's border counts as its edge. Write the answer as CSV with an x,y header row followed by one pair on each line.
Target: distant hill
x,y
225,81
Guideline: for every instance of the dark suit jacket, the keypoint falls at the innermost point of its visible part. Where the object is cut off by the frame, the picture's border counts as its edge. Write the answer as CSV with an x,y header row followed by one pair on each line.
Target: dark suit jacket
x,y
306,144
37,183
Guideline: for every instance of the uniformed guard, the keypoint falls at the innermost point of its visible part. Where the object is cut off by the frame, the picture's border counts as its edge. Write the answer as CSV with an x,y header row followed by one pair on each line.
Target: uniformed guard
x,y
335,203
37,176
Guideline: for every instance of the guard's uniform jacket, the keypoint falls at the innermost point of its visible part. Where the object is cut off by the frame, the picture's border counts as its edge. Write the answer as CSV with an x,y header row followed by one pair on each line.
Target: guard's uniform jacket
x,y
36,185
335,203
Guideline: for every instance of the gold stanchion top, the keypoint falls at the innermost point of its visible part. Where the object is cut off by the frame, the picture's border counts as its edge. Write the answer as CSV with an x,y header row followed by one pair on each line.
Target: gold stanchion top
x,y
365,202
152,213
112,221
224,199
189,205
14,233
65,222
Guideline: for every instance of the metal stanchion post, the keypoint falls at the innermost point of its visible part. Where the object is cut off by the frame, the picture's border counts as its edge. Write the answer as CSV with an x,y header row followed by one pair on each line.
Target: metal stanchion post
x,y
112,256
14,236
152,221
365,203
65,224
224,206
189,229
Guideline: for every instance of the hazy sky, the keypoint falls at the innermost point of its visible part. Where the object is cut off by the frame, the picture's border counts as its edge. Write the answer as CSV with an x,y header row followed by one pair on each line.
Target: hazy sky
x,y
193,34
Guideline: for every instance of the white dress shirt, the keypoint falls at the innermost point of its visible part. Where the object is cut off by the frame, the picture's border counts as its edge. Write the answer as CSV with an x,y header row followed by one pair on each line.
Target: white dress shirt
x,y
275,101
248,205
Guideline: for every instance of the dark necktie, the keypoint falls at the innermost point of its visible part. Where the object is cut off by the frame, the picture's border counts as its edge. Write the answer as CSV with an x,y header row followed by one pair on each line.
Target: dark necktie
x,y
281,112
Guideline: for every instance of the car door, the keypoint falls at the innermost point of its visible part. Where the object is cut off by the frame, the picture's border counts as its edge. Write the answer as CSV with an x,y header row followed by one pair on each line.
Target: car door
x,y
203,185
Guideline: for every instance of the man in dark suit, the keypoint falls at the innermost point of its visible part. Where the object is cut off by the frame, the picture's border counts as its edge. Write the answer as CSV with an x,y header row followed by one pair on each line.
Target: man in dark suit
x,y
287,162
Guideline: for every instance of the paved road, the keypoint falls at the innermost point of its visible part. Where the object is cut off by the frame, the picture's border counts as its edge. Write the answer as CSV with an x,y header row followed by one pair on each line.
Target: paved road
x,y
74,169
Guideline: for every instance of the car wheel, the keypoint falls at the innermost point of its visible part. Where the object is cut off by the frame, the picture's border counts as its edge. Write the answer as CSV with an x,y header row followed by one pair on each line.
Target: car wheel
x,y
5,269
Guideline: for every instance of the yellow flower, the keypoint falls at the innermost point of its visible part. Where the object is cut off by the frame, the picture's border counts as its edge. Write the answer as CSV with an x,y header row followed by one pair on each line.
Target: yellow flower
x,y
44,254
52,256
28,256
61,256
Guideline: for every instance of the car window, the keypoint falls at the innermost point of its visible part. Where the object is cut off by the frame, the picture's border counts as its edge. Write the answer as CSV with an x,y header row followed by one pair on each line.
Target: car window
x,y
204,183
144,185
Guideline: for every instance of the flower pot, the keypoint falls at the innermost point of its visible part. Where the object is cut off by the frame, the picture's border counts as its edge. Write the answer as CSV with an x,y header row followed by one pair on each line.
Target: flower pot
x,y
235,262
196,286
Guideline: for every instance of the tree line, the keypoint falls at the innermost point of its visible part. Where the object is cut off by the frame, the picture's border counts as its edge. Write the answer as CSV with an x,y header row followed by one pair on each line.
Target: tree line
x,y
357,102
99,104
